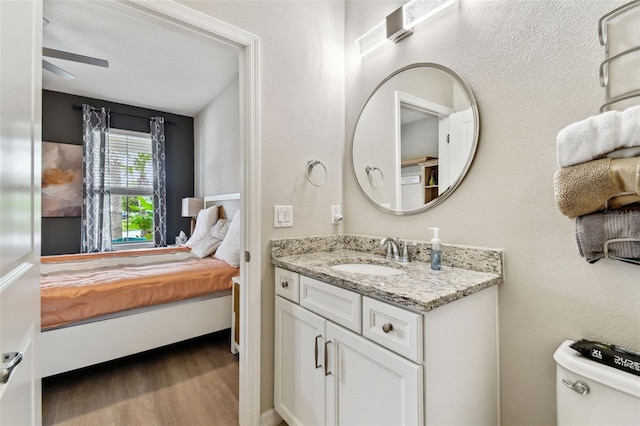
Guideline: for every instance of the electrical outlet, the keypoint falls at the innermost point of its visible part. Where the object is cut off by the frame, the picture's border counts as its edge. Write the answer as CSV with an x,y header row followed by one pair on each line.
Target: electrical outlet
x,y
336,214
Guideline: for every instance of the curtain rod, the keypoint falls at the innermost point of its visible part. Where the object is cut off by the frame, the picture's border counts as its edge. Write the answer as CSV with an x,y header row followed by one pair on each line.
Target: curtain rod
x,y
79,108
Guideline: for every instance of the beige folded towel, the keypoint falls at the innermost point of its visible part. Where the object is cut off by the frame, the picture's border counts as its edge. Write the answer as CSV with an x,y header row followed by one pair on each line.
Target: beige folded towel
x,y
588,187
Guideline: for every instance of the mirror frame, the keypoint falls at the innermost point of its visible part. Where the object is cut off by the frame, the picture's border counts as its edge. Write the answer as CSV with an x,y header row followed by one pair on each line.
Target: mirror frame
x,y
476,133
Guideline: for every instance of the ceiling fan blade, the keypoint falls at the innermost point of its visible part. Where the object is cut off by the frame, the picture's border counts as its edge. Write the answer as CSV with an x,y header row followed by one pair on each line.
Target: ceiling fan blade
x,y
68,56
57,70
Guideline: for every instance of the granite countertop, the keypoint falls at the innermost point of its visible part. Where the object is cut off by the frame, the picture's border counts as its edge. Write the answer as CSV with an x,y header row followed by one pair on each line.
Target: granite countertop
x,y
421,288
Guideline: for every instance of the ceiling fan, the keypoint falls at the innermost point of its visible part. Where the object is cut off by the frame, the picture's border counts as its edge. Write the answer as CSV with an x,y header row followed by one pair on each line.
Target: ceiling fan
x,y
68,56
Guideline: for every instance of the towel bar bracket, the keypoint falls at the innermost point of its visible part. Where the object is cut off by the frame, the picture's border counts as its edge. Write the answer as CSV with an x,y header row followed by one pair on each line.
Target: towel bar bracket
x,y
604,21
603,27
620,240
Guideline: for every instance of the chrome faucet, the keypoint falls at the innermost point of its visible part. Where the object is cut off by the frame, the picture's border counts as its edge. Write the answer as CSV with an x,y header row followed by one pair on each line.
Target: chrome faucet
x,y
393,249
393,252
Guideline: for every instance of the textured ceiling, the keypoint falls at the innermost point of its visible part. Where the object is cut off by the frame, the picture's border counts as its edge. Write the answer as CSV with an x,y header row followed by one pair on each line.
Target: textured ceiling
x,y
152,63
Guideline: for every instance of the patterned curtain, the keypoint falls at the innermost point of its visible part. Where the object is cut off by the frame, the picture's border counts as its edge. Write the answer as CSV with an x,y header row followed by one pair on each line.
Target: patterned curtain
x,y
159,182
96,209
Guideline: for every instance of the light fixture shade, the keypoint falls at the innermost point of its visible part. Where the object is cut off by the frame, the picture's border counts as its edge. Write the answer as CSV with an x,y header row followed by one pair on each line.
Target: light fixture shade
x,y
399,24
372,39
417,11
192,206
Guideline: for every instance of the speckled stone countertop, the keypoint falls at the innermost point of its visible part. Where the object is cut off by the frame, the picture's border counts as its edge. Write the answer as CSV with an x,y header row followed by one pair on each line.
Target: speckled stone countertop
x,y
420,288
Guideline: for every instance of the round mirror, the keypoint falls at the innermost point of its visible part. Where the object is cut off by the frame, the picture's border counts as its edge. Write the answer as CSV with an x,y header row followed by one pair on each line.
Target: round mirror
x,y
415,138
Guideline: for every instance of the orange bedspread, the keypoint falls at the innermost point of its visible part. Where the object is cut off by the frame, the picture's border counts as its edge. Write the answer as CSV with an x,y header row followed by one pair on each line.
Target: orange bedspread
x,y
73,295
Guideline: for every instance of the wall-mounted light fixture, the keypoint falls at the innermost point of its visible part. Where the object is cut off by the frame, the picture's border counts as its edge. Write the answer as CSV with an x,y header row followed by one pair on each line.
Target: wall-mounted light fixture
x,y
399,24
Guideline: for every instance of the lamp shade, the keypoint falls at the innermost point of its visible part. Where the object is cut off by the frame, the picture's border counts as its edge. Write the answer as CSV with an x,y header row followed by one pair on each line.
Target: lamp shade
x,y
192,206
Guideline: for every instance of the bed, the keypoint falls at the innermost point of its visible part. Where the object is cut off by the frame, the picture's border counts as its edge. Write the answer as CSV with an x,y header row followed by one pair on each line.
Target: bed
x,y
102,306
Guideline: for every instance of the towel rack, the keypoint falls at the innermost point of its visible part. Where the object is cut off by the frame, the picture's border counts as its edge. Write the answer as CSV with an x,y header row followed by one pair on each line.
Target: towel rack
x,y
620,240
628,95
604,66
370,175
310,165
603,36
604,21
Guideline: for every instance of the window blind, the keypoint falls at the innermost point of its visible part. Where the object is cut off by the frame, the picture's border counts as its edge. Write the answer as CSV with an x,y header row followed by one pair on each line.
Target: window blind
x,y
129,165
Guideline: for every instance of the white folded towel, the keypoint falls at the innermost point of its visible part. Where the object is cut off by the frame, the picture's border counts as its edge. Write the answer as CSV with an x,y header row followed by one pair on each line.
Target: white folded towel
x,y
625,153
597,136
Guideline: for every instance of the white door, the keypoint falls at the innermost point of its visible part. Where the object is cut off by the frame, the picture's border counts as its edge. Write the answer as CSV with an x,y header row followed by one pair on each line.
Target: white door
x,y
369,385
461,128
299,385
20,117
444,180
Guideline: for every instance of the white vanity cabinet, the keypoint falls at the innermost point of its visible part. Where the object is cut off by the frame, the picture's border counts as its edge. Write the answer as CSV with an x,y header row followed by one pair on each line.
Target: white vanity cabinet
x,y
369,385
342,358
299,377
326,374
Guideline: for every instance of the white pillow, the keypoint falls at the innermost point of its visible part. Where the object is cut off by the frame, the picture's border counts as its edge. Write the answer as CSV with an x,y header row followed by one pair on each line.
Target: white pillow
x,y
220,229
229,250
205,220
194,239
205,246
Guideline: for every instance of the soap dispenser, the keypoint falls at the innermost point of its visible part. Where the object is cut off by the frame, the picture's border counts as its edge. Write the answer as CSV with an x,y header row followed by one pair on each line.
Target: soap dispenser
x,y
436,250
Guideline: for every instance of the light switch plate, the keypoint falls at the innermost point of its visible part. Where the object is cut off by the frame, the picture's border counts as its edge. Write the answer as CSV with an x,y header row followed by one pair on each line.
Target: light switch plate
x,y
282,216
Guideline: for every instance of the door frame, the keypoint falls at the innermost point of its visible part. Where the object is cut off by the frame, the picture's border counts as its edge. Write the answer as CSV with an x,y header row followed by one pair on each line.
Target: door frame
x,y
424,106
250,296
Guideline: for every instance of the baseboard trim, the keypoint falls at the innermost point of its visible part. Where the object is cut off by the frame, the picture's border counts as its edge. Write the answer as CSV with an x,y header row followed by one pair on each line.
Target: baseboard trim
x,y
270,418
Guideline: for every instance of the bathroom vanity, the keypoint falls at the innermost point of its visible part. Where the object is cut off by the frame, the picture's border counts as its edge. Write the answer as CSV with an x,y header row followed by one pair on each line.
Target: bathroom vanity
x,y
416,347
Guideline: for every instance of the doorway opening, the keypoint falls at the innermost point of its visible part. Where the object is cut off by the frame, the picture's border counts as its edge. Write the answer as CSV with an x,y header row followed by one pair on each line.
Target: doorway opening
x,y
191,21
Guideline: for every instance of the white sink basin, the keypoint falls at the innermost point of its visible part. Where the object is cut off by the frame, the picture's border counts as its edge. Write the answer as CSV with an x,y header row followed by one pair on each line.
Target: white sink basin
x,y
367,268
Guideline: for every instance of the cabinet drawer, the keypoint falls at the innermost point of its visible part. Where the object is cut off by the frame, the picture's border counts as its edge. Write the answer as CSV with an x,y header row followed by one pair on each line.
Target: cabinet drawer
x,y
288,284
334,303
392,327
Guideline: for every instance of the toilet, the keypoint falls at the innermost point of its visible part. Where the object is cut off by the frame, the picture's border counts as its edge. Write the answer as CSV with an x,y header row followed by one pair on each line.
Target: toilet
x,y
589,393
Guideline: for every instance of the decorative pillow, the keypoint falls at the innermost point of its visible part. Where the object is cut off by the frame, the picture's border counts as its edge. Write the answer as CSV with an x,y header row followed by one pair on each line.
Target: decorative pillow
x,y
206,219
220,229
229,250
205,246
194,239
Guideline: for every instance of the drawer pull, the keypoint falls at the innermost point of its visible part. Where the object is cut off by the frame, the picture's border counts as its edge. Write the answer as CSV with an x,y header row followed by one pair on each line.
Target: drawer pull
x,y
284,284
315,351
387,327
326,364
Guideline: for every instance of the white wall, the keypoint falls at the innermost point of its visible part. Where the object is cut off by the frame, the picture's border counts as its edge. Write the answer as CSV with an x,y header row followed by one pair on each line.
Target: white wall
x,y
301,118
217,149
533,68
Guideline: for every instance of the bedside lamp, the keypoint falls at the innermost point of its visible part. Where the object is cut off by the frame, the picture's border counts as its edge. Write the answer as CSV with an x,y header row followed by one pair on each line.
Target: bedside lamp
x,y
190,208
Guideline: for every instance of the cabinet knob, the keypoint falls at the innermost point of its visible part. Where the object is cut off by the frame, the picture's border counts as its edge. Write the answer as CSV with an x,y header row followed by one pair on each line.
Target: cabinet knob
x,y
387,327
284,284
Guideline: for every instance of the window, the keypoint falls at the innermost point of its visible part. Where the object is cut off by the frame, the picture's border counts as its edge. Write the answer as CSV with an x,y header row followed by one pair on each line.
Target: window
x,y
130,177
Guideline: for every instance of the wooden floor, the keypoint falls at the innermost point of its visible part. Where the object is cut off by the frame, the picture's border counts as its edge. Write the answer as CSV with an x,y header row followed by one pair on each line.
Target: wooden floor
x,y
192,383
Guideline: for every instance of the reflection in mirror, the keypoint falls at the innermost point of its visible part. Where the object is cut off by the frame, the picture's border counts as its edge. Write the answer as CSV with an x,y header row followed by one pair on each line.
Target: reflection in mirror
x,y
375,176
420,129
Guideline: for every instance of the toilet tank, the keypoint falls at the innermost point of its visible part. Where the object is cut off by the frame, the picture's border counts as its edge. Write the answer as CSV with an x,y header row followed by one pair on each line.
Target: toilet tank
x,y
594,394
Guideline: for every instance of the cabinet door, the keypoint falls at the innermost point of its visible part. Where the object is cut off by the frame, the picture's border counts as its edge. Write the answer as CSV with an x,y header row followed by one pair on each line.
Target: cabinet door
x,y
299,384
369,385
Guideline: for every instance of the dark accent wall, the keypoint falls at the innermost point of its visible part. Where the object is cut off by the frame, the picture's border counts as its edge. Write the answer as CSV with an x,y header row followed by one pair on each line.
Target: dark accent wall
x,y
61,123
